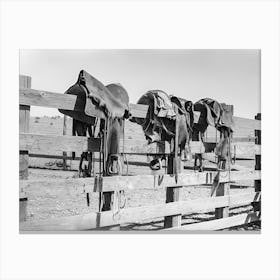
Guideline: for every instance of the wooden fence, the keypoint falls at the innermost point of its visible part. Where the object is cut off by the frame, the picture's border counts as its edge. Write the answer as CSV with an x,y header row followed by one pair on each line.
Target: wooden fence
x,y
172,210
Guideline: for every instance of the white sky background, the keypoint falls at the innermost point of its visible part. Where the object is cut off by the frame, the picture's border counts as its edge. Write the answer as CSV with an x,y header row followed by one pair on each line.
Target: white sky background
x,y
230,76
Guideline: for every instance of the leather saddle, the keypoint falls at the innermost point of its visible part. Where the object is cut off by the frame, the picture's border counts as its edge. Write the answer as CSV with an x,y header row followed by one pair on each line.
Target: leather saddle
x,y
215,114
96,100
159,124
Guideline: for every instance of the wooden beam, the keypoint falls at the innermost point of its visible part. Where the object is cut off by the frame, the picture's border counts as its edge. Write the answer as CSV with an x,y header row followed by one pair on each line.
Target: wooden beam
x,y
138,214
257,183
32,97
24,116
42,98
224,223
49,99
39,143
222,190
71,187
235,139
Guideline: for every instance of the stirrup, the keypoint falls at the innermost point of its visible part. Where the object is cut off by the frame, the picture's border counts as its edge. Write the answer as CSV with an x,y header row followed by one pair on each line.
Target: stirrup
x,y
156,164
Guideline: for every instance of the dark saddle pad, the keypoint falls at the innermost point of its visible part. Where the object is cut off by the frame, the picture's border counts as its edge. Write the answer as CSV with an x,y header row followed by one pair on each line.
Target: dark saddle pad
x,y
96,100
159,124
215,114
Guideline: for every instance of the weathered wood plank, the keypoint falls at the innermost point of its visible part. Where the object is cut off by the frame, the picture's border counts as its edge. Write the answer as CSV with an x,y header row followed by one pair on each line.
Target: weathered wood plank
x,y
43,98
257,183
37,143
138,214
24,117
235,139
66,187
48,99
223,223
222,190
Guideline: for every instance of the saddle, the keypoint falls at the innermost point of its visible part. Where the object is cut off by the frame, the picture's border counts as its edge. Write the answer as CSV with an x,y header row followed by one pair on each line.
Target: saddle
x,y
159,124
215,114
96,100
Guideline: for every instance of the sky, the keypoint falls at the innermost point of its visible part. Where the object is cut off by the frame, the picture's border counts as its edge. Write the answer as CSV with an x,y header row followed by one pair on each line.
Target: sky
x,y
229,76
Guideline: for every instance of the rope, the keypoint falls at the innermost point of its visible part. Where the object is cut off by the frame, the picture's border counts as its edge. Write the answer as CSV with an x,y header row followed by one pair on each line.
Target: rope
x,y
102,163
229,155
117,206
124,154
216,138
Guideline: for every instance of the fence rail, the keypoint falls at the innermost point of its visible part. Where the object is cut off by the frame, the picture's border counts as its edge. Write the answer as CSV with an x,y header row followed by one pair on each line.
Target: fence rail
x,y
32,97
36,144
39,143
62,187
218,224
138,214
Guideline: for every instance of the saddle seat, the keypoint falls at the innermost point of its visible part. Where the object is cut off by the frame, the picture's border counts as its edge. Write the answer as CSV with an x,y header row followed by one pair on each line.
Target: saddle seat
x,y
96,100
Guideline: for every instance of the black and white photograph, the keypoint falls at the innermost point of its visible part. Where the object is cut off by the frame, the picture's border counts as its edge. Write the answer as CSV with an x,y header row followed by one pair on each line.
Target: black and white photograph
x,y
140,140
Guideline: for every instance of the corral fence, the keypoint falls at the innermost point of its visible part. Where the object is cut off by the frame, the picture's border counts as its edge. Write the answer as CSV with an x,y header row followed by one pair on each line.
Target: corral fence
x,y
172,211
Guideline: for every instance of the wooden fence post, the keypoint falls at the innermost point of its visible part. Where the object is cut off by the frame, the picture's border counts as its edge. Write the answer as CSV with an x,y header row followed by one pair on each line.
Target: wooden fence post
x,y
257,205
173,194
222,189
110,199
24,116
222,212
64,132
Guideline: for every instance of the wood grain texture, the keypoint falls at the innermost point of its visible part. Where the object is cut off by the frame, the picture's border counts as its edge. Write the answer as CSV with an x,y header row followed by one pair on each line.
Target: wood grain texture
x,y
48,99
257,183
37,143
138,214
71,187
24,118
224,223
222,212
43,98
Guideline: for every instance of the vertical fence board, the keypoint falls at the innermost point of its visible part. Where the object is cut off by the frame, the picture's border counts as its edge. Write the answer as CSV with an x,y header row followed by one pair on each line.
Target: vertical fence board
x,y
24,117
222,212
222,189
257,183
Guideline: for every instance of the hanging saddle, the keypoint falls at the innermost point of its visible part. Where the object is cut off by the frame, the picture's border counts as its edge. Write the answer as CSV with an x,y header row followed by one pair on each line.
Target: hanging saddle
x,y
215,114
96,100
159,124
